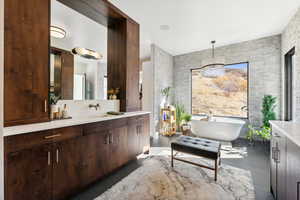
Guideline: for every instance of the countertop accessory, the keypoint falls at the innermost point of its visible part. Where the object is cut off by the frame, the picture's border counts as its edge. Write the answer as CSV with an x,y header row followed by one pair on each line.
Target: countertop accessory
x,y
115,113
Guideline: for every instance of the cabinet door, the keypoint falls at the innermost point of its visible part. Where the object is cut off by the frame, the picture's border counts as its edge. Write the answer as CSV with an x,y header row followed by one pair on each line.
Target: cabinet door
x,y
66,168
273,170
293,171
133,138
118,147
133,102
145,135
281,166
95,153
28,174
26,61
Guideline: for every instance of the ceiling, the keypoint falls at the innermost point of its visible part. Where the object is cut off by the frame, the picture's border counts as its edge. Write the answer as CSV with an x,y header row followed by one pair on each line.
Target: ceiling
x,y
194,23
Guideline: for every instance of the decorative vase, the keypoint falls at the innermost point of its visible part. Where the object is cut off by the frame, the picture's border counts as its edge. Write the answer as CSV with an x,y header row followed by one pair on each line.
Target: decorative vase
x,y
54,109
165,102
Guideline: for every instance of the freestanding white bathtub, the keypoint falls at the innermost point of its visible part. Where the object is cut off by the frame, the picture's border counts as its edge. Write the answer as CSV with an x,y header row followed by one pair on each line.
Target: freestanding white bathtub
x,y
220,128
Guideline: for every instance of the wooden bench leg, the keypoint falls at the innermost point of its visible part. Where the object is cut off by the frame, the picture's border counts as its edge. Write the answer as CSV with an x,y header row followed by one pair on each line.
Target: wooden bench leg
x,y
172,165
216,169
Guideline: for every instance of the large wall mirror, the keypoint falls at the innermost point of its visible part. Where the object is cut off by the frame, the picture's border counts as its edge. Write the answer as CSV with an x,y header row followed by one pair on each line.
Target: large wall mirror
x,y
78,55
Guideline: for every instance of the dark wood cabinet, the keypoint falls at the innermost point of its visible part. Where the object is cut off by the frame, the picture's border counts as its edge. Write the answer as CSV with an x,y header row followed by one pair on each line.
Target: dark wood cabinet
x,y
95,150
28,174
133,67
133,134
57,163
26,61
118,149
66,168
144,135
124,35
293,171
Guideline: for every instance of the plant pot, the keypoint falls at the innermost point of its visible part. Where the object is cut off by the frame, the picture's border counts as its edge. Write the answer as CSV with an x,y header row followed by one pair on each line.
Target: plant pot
x,y
185,129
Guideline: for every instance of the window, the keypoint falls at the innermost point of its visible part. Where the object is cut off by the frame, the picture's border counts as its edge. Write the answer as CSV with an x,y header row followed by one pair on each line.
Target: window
x,y
288,84
222,91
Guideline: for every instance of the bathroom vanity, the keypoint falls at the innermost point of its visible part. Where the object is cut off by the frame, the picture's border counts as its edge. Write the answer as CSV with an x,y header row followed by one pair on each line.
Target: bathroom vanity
x,y
285,160
54,163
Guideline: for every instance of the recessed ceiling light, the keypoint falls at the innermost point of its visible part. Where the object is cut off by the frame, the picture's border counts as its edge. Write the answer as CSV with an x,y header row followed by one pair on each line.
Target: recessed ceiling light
x,y
164,27
57,32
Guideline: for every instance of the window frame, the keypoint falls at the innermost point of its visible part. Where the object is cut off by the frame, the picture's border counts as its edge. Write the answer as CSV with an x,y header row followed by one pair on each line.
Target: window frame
x,y
289,67
234,117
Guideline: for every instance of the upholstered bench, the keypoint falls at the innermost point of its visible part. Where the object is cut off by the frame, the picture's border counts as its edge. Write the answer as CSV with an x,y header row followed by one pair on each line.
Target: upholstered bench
x,y
199,147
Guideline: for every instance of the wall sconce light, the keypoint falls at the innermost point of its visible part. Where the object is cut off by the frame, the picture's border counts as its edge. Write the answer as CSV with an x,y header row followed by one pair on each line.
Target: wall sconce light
x,y
87,53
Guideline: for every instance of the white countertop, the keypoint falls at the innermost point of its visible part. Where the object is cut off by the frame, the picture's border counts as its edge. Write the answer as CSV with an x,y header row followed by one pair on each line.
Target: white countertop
x,y
15,130
290,129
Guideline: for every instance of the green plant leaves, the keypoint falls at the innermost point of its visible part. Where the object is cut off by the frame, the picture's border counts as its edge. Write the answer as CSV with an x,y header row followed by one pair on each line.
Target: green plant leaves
x,y
268,106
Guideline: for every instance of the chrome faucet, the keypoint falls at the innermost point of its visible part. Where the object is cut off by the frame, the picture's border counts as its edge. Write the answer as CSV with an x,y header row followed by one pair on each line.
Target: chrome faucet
x,y
96,106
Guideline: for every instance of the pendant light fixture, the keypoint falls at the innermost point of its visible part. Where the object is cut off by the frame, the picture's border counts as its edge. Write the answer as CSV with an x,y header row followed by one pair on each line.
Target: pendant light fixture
x,y
57,32
213,62
87,53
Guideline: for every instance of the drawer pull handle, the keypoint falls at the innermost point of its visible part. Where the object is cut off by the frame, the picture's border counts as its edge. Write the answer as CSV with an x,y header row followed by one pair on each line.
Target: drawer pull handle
x,y
278,156
111,139
46,106
57,152
273,153
106,139
52,136
49,157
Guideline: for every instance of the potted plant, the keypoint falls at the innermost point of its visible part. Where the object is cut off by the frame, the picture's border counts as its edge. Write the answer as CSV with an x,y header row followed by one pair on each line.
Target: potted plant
x,y
251,134
264,132
185,120
179,113
268,106
53,107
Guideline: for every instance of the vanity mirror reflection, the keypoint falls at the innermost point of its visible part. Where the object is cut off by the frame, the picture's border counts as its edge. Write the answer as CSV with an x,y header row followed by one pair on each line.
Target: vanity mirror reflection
x,y
78,56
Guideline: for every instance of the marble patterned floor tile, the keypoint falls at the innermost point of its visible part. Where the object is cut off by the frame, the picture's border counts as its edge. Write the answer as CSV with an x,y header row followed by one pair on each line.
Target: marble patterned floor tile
x,y
156,180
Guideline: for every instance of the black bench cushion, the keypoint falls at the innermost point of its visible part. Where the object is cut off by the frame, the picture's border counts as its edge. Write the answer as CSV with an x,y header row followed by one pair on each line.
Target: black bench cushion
x,y
197,146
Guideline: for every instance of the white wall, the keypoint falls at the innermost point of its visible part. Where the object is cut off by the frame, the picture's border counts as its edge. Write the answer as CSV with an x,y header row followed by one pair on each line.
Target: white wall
x,y
291,38
148,91
1,98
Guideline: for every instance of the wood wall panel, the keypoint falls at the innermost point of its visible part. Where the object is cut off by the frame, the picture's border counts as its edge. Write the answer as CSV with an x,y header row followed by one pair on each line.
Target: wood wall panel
x,y
67,75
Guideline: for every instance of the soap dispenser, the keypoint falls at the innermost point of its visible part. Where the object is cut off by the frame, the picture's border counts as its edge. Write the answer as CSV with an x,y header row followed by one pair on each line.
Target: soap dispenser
x,y
65,112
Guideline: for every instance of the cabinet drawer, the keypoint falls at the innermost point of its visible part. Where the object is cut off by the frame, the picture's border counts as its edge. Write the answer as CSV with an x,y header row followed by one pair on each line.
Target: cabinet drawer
x,y
117,123
25,141
29,140
99,127
62,134
95,128
138,119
